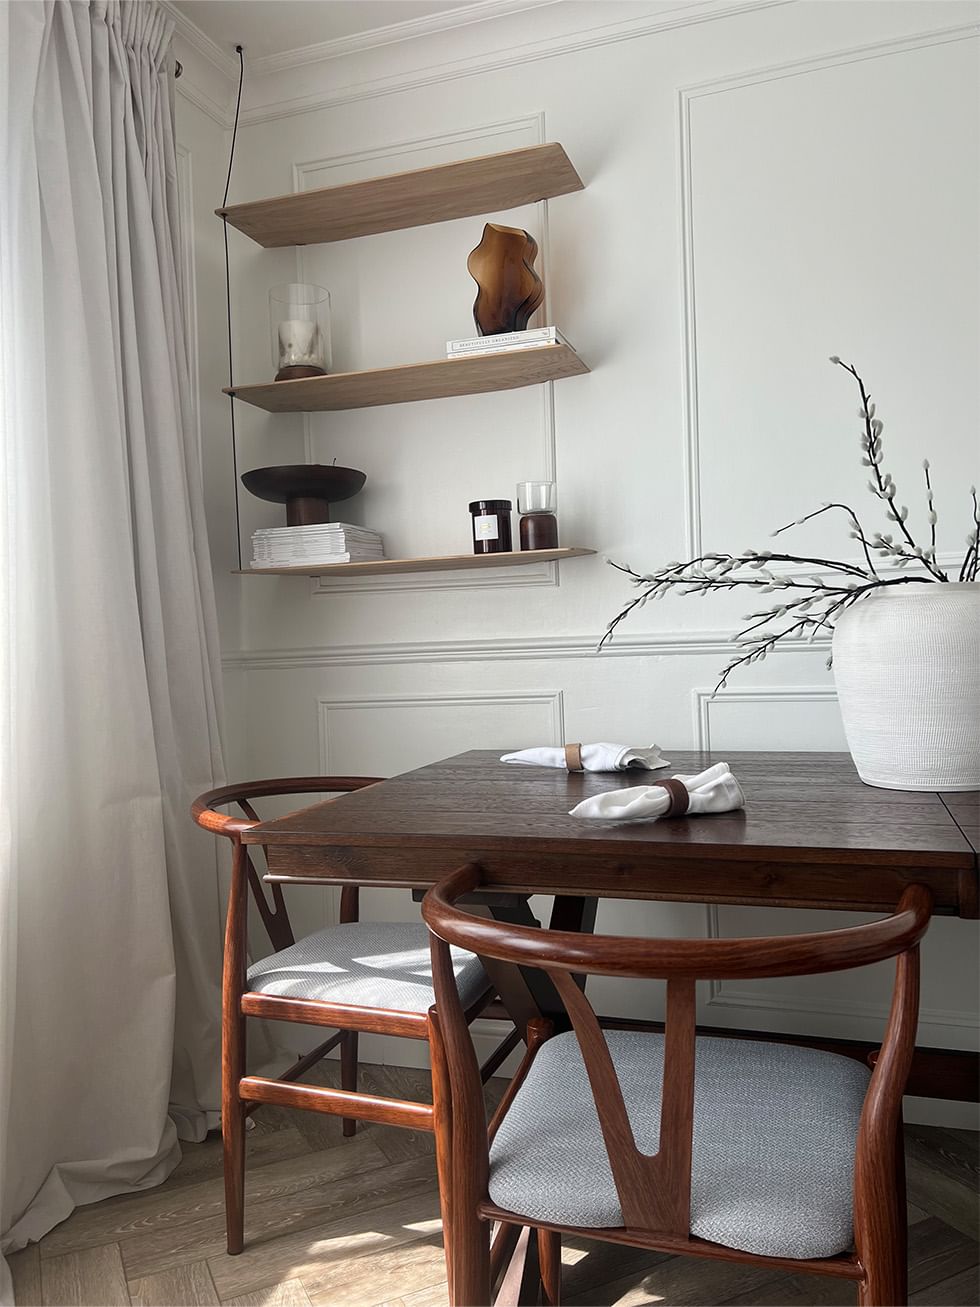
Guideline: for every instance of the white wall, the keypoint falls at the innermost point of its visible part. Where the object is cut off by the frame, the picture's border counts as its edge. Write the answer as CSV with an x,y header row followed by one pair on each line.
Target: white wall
x,y
765,185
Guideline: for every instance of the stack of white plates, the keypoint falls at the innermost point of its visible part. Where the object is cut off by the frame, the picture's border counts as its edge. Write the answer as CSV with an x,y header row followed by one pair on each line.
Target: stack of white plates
x,y
327,542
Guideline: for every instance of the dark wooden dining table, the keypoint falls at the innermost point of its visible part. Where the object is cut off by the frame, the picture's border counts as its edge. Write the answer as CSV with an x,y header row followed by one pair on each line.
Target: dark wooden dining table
x,y
811,835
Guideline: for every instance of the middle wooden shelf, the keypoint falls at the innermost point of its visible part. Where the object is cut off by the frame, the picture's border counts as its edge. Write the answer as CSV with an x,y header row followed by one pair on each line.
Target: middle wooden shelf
x,y
439,379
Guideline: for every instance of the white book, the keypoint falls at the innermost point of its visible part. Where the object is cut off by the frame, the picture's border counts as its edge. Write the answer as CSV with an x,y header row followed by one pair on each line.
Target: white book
x,y
324,560
316,529
315,556
318,542
530,333
304,538
496,345
505,349
268,549
313,546
506,341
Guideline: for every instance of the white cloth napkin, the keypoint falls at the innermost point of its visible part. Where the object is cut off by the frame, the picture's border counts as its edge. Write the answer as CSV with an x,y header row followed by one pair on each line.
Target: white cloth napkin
x,y
714,790
595,757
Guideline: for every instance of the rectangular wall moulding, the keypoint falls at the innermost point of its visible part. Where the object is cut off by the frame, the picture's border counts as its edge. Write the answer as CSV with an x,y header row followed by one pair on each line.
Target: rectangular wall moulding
x,y
441,379
443,563
408,199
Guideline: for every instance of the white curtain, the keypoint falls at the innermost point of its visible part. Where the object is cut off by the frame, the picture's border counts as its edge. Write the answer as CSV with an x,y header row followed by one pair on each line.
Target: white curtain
x,y
109,911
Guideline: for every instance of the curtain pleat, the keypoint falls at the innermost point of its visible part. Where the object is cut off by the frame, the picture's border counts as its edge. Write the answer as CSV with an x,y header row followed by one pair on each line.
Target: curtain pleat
x,y
109,971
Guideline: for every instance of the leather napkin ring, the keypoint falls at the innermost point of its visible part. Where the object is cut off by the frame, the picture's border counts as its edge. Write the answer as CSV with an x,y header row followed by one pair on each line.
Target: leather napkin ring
x,y
680,799
573,758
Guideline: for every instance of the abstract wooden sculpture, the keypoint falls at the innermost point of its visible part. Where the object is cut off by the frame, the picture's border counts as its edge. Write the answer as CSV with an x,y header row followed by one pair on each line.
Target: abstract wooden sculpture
x,y
502,265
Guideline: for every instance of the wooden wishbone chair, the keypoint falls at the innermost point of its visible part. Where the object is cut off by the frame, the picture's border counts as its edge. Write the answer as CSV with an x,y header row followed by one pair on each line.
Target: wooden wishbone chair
x,y
769,1153
354,976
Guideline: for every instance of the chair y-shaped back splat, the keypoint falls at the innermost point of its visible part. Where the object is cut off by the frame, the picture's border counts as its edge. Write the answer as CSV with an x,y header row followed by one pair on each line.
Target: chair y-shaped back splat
x,y
274,916
654,1191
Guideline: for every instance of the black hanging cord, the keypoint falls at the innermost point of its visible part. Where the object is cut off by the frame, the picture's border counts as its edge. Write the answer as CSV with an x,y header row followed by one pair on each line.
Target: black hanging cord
x,y
231,368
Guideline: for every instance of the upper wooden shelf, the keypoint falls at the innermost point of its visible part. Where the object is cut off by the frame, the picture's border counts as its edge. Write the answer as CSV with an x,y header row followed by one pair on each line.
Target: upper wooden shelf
x,y
503,370
436,563
408,199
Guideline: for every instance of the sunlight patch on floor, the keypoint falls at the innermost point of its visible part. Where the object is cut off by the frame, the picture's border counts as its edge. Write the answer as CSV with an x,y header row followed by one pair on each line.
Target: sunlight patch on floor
x,y
570,1256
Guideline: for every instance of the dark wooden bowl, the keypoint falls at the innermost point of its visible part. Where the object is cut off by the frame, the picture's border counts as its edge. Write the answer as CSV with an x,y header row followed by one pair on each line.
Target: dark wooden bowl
x,y
307,489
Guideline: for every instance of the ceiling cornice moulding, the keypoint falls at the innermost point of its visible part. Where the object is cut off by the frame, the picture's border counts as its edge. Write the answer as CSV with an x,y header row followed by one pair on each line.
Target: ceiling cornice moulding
x,y
219,111
686,14
409,30
189,32
209,76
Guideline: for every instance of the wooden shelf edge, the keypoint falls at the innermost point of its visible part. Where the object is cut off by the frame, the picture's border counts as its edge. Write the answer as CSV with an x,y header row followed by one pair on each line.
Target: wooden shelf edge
x,y
437,563
461,189
411,382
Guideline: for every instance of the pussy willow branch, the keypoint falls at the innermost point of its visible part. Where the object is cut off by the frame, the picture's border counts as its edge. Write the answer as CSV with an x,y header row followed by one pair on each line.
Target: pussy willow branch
x,y
762,646
858,531
968,571
759,650
810,604
932,511
872,440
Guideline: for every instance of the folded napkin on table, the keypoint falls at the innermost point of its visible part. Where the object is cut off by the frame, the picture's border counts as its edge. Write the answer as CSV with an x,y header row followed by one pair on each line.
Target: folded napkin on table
x,y
714,790
591,757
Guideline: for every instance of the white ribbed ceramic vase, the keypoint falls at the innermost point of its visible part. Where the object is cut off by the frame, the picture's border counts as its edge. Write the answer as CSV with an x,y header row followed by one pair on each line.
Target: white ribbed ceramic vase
x,y
907,667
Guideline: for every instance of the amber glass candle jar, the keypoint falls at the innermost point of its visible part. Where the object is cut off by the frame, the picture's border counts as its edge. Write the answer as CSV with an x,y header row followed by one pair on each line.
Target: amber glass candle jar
x,y
536,503
491,526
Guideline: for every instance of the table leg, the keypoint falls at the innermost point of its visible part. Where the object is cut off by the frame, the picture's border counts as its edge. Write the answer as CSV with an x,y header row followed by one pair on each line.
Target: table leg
x,y
573,912
524,992
570,912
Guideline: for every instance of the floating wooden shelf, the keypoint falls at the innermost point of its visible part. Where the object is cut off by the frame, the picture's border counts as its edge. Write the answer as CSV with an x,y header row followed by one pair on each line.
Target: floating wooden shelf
x,y
408,199
443,563
504,370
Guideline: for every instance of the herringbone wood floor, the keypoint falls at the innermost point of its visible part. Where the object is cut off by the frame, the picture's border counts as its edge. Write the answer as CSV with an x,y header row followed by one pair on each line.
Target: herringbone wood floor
x,y
355,1223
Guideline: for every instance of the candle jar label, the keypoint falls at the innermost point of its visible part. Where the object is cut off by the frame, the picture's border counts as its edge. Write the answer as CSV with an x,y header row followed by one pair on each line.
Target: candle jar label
x,y
486,528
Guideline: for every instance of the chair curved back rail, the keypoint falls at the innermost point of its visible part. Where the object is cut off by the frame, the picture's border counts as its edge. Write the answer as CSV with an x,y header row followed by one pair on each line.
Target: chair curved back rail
x,y
655,1190
205,812
663,959
203,809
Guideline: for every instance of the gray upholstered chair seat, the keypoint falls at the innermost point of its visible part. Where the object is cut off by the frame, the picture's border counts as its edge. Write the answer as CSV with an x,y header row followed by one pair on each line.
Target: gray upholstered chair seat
x,y
773,1152
382,964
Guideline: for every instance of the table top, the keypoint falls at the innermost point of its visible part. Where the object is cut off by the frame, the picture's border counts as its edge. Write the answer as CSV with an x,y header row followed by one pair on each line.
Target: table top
x,y
799,807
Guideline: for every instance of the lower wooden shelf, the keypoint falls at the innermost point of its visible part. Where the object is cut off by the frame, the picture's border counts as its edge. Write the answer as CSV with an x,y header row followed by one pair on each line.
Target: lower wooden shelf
x,y
439,563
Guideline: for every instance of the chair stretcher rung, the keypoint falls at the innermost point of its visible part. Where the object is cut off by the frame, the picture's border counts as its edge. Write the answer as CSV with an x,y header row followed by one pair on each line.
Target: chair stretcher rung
x,y
337,1102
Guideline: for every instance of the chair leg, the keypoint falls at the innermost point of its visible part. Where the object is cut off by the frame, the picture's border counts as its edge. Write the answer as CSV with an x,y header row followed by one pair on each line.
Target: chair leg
x,y
884,1246
549,1258
233,1139
471,1259
443,1131
348,1073
883,1286
233,1056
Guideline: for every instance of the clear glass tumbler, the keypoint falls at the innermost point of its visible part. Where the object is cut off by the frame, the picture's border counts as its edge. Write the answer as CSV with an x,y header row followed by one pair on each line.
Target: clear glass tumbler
x,y
536,504
299,316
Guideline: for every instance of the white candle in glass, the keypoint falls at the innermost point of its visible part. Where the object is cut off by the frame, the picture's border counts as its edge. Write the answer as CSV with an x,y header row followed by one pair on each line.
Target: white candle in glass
x,y
300,344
